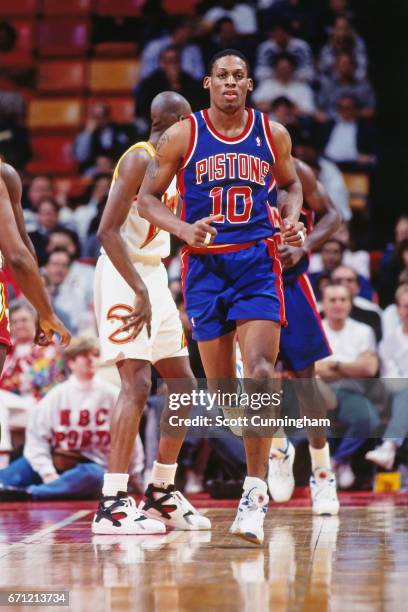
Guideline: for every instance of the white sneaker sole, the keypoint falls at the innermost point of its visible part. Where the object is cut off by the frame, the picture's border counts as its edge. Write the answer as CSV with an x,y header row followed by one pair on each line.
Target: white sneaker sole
x,y
99,529
206,526
248,537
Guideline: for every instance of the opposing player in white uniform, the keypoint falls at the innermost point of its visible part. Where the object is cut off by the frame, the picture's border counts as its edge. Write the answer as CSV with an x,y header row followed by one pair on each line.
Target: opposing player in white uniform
x,y
138,325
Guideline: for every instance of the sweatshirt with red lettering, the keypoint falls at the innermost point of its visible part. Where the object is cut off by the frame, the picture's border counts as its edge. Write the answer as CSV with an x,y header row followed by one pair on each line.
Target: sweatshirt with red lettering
x,y
75,416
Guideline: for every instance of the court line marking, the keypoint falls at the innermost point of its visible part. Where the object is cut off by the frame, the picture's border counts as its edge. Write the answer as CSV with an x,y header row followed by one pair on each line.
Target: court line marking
x,y
37,536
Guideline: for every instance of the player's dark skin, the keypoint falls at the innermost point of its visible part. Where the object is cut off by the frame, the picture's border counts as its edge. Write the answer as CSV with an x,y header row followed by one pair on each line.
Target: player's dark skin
x,y
228,85
18,251
135,374
318,200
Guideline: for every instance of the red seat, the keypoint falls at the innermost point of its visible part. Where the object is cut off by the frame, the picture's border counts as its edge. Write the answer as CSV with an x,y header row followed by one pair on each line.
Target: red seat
x,y
63,37
52,154
174,7
122,107
61,76
119,8
60,113
51,8
21,55
20,8
113,75
115,49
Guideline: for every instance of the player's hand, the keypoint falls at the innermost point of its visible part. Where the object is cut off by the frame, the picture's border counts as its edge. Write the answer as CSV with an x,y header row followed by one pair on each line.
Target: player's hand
x,y
201,233
48,326
293,234
290,256
141,314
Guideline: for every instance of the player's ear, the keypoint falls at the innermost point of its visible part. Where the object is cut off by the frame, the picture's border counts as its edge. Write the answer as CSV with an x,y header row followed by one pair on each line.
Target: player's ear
x,y
206,82
250,85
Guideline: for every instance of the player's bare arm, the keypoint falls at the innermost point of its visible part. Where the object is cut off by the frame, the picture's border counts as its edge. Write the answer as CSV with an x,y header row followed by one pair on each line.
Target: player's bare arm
x,y
319,201
170,151
15,189
287,181
127,182
25,269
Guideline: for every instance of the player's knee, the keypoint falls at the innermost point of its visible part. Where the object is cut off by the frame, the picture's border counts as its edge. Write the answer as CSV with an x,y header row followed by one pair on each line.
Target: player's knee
x,y
261,369
137,390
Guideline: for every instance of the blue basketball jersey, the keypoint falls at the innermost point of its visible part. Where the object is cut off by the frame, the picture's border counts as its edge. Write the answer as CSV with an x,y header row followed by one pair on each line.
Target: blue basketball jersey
x,y
230,176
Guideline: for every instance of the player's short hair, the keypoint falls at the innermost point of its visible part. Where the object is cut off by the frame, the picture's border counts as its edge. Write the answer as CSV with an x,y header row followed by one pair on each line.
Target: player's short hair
x,y
402,290
225,53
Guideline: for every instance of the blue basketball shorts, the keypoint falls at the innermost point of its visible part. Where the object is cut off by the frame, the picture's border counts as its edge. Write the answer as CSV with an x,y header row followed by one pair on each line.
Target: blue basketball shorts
x,y
303,341
230,285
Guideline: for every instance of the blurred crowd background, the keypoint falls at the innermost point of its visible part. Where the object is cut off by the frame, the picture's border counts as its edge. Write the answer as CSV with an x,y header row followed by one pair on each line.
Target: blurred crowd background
x,y
76,82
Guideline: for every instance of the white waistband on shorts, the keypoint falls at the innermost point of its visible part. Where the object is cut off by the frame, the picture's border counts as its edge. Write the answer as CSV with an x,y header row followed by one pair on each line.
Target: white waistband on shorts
x,y
149,260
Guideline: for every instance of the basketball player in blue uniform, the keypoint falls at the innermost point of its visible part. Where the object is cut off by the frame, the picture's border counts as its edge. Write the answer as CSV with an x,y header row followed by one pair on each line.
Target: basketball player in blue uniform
x,y
227,158
302,343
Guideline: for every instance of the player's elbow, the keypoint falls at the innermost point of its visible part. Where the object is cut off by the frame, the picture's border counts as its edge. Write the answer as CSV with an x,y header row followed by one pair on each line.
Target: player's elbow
x,y
142,206
18,258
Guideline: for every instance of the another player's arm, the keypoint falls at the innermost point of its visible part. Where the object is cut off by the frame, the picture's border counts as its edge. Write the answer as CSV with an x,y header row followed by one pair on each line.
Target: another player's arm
x,y
129,178
15,189
25,269
287,181
167,161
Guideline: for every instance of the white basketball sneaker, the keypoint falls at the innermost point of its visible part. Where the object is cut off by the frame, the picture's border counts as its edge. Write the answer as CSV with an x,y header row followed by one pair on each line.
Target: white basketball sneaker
x,y
383,455
281,482
324,492
172,509
119,515
248,523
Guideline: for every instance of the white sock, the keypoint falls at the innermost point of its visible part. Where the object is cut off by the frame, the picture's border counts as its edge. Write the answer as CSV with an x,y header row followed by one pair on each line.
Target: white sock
x,y
252,481
163,474
320,457
113,483
279,444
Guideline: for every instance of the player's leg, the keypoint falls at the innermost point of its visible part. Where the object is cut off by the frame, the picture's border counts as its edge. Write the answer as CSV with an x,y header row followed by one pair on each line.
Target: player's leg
x,y
259,342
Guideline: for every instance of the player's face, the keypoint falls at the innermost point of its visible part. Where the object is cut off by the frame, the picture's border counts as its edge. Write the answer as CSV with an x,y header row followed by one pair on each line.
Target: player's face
x,y
228,83
336,303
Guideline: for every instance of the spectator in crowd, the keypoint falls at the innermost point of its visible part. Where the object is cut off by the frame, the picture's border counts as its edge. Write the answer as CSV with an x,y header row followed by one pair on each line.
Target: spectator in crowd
x,y
67,442
180,35
280,41
327,17
169,76
293,12
243,15
71,294
225,36
101,136
354,357
363,310
343,39
332,257
39,188
47,222
284,83
392,264
347,139
95,198
342,83
30,370
305,148
394,365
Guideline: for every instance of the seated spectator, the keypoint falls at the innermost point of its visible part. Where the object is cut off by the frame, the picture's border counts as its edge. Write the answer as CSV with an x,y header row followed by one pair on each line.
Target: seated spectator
x,y
354,357
67,442
243,15
180,36
391,264
71,294
394,365
225,36
305,148
332,257
169,76
47,222
301,20
95,198
347,139
284,83
345,83
284,111
281,40
39,189
363,310
101,136
343,39
30,370
357,260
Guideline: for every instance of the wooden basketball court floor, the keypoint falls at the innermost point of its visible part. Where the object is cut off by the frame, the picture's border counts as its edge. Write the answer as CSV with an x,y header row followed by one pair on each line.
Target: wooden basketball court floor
x,y
357,561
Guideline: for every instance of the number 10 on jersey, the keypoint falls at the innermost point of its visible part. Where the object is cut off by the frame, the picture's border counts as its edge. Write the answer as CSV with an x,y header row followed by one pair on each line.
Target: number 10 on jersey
x,y
238,203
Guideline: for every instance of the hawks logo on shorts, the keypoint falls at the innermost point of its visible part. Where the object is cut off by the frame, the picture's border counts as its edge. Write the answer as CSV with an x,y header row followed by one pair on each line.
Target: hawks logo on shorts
x,y
119,312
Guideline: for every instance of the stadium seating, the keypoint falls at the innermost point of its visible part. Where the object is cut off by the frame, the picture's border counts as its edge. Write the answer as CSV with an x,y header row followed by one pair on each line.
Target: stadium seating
x,y
18,8
61,76
21,55
63,37
119,8
55,114
51,8
358,186
115,49
113,75
179,6
122,107
52,155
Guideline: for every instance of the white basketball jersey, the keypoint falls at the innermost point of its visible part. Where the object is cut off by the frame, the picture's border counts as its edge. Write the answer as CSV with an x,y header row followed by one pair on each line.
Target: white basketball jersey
x,y
140,236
